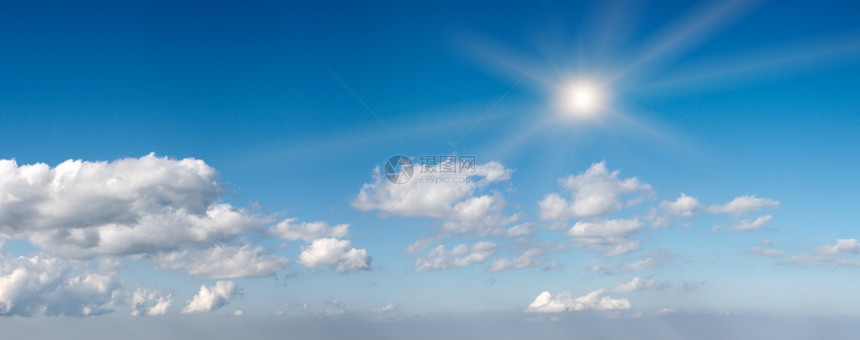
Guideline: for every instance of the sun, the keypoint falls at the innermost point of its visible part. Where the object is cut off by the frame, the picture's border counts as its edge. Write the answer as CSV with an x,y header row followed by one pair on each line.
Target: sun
x,y
582,99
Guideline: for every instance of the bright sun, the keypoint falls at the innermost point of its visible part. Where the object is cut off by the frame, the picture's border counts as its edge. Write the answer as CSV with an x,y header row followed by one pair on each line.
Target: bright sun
x,y
582,99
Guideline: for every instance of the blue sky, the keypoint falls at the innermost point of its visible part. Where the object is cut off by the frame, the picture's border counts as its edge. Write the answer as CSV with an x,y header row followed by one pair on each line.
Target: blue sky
x,y
635,161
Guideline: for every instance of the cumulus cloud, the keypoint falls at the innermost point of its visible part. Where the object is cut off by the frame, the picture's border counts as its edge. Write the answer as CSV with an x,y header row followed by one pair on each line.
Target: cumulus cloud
x,y
146,301
743,204
335,253
611,237
749,224
455,202
523,229
212,298
594,193
143,205
307,231
842,246
564,302
42,285
837,254
525,260
460,256
684,206
223,262
636,283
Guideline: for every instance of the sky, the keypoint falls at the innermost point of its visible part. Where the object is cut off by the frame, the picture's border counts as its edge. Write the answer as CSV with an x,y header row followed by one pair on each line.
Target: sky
x,y
609,169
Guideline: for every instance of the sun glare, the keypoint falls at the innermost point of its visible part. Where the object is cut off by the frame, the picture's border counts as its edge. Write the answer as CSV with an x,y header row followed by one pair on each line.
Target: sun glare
x,y
582,99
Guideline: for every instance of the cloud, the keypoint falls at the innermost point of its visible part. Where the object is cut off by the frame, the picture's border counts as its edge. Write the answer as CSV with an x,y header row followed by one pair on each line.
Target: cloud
x,y
762,250
42,285
334,253
684,206
748,224
384,309
546,303
523,229
460,256
650,260
145,205
307,231
842,246
525,260
594,193
223,262
831,255
634,284
611,237
212,298
743,204
146,301
418,246
454,200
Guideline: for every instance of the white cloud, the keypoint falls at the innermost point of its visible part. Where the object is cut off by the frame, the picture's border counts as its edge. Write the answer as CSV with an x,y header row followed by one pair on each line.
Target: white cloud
x,y
611,237
307,231
743,204
831,255
460,256
842,246
224,262
385,309
146,301
684,206
456,203
335,253
564,302
238,312
634,284
526,260
650,260
522,229
143,205
212,298
41,285
748,224
767,251
762,250
595,192
666,311
418,246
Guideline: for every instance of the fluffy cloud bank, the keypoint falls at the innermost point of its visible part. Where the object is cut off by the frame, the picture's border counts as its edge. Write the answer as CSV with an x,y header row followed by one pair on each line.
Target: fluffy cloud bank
x,y
212,298
224,262
460,256
454,200
145,205
611,237
307,231
594,193
335,253
838,254
146,301
564,302
42,285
